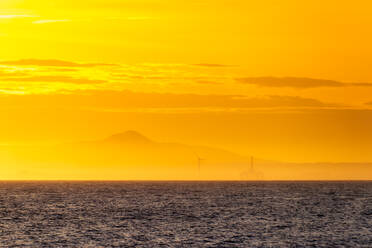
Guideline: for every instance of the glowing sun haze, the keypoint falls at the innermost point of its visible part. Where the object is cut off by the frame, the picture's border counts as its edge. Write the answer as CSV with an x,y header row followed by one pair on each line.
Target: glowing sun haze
x,y
281,80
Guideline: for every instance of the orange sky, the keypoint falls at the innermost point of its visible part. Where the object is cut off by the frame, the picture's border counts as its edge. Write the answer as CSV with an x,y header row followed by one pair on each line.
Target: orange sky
x,y
284,80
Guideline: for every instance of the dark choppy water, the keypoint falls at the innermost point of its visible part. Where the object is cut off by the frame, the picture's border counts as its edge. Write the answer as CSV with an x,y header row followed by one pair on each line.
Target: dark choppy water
x,y
318,214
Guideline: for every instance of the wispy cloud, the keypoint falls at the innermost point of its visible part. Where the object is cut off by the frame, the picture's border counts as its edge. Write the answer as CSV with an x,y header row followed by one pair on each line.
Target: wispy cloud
x,y
297,82
131,18
51,63
207,82
4,73
212,65
131,100
49,21
53,79
16,16
139,18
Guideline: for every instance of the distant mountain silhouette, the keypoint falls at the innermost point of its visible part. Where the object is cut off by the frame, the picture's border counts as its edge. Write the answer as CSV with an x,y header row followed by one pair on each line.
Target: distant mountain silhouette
x,y
127,138
132,143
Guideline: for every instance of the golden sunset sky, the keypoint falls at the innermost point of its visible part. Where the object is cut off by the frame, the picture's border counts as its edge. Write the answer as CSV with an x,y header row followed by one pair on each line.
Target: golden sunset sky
x,y
285,80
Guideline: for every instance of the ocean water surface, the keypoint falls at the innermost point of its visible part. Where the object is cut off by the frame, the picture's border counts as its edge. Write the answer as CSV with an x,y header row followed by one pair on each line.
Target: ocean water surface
x,y
186,214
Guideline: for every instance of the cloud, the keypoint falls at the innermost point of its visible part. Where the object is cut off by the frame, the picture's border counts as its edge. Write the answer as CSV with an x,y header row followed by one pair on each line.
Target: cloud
x,y
51,63
15,16
26,77
49,21
131,100
139,18
207,82
360,84
129,18
62,69
212,65
53,79
296,82
141,76
11,74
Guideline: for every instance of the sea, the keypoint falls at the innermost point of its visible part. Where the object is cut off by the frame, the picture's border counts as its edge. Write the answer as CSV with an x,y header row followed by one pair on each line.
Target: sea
x,y
186,214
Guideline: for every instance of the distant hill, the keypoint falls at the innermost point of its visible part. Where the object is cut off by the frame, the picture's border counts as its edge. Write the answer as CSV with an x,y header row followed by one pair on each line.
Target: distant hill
x,y
128,137
132,140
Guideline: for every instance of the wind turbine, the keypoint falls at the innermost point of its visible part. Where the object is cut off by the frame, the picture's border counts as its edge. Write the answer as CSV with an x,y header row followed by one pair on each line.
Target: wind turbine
x,y
200,160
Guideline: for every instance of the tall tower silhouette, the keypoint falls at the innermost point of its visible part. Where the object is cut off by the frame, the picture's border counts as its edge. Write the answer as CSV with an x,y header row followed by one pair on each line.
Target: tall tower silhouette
x,y
200,160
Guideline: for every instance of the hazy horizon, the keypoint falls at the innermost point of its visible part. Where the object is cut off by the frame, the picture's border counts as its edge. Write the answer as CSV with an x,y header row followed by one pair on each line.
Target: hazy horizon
x,y
132,156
